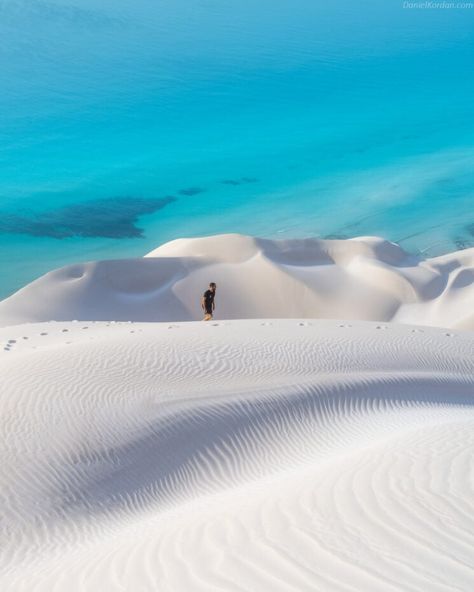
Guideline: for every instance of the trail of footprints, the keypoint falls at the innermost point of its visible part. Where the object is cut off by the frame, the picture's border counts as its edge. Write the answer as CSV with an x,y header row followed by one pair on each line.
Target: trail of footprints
x,y
10,344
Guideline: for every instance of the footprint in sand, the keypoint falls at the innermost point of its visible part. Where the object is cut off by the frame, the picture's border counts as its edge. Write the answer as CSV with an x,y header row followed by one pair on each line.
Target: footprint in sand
x,y
304,324
449,334
417,331
24,337
43,333
381,327
266,324
12,341
348,326
65,330
85,327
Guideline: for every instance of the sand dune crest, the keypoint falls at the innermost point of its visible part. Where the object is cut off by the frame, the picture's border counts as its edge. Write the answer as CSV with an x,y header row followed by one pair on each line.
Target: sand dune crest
x,y
365,278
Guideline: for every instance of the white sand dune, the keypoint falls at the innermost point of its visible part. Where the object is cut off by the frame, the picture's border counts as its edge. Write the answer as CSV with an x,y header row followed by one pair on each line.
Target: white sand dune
x,y
240,455
364,278
236,455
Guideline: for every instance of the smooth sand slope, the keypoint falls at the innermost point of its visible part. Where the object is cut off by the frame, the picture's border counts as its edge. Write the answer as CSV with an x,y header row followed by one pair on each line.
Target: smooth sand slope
x,y
259,455
364,278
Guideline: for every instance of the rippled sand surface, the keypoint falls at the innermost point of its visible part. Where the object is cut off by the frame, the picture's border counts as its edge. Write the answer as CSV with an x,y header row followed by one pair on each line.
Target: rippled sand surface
x,y
238,455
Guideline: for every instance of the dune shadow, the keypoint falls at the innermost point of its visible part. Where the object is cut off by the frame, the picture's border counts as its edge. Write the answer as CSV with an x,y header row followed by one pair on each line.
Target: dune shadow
x,y
184,454
124,290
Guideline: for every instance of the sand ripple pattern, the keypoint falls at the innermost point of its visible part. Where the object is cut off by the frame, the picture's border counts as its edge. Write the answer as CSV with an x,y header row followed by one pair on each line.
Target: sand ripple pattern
x,y
285,455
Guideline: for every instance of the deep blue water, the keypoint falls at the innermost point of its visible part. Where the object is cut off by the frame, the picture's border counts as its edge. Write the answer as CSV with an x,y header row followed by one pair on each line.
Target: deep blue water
x,y
126,124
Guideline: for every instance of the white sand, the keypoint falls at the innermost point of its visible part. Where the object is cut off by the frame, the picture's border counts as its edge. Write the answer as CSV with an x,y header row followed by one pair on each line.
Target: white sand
x,y
364,278
240,455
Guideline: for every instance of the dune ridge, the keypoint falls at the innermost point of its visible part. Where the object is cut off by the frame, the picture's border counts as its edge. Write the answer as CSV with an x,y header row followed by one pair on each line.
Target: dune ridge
x,y
363,278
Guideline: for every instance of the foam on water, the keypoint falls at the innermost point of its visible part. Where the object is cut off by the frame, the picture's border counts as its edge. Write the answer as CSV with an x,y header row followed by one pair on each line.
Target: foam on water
x,y
269,118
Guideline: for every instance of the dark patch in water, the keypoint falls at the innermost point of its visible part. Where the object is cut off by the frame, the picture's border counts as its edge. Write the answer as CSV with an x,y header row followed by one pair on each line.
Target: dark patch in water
x,y
107,218
462,243
335,237
241,181
445,182
470,229
190,191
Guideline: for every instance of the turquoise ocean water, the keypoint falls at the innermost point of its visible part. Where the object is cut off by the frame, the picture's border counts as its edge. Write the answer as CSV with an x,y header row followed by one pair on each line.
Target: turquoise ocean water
x,y
127,124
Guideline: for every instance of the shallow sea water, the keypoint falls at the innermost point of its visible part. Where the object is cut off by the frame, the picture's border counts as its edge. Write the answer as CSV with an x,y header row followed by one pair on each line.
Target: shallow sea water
x,y
124,125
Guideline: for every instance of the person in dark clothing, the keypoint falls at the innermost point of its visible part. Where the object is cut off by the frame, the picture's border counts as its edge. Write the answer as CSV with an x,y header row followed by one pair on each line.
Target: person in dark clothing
x,y
207,301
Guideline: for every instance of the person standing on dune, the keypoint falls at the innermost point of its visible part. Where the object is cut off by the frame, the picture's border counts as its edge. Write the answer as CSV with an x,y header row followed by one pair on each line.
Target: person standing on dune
x,y
207,301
